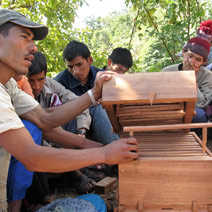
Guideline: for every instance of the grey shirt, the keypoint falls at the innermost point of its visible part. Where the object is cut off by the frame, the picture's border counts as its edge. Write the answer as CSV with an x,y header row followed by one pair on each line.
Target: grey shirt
x,y
51,86
204,81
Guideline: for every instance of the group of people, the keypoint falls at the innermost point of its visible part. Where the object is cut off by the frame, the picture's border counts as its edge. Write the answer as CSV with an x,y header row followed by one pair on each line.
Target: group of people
x,y
59,125
23,118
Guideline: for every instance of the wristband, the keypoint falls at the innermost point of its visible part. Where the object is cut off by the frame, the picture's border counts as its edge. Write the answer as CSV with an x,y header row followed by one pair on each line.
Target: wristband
x,y
90,94
81,132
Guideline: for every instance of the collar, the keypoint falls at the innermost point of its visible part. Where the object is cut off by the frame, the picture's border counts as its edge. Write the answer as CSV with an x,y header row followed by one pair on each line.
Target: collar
x,y
73,82
180,67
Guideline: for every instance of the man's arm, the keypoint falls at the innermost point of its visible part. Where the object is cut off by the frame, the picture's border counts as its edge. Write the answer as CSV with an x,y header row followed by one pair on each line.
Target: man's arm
x,y
69,140
84,119
45,159
58,116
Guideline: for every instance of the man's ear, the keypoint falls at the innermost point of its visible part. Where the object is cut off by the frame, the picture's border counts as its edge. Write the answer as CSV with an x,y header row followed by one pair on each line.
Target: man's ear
x,y
109,62
1,37
90,60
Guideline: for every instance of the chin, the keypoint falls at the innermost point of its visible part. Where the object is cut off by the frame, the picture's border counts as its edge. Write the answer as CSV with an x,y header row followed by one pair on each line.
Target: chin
x,y
22,72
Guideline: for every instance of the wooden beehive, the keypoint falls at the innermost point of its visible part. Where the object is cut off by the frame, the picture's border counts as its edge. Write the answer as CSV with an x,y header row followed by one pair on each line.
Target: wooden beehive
x,y
174,170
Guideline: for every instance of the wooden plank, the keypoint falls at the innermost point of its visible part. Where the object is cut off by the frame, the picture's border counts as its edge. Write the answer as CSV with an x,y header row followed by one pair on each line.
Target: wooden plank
x,y
105,185
165,182
136,88
189,111
112,116
146,108
167,127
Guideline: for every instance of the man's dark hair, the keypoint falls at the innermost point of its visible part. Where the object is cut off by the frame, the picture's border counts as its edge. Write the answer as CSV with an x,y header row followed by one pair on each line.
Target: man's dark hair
x,y
121,56
4,28
76,49
38,64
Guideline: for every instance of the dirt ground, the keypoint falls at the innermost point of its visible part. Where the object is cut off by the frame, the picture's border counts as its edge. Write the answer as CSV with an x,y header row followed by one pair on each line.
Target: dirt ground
x,y
61,188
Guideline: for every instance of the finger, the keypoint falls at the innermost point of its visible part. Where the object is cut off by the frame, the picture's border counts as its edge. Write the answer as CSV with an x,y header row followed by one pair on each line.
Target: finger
x,y
133,148
132,141
109,72
132,155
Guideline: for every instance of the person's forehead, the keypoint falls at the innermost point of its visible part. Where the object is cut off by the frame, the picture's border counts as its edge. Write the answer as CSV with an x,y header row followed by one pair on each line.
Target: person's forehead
x,y
21,29
76,60
121,66
37,76
194,54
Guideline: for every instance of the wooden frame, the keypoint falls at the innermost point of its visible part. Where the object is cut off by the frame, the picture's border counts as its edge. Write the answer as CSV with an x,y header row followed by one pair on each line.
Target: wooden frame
x,y
177,180
174,170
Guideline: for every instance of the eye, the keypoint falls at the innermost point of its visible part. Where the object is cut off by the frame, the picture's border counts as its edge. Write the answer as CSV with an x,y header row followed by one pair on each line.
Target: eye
x,y
24,36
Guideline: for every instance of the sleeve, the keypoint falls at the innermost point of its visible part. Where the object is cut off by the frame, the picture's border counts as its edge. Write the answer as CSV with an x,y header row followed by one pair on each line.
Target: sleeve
x,y
204,91
9,119
84,119
22,102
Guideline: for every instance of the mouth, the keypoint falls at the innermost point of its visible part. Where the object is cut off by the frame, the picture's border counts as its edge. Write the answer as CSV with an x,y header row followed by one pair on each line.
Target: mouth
x,y
29,59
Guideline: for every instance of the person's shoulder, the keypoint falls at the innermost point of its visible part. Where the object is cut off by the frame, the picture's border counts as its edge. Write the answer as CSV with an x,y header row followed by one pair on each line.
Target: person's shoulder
x,y
11,84
52,82
174,67
61,75
205,71
95,69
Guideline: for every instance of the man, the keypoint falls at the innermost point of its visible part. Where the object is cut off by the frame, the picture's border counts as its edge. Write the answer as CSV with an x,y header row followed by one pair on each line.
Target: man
x,y
48,93
79,77
204,31
120,60
17,35
195,54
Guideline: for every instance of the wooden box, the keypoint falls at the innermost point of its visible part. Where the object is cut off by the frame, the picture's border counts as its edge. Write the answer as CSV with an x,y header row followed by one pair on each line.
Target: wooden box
x,y
174,170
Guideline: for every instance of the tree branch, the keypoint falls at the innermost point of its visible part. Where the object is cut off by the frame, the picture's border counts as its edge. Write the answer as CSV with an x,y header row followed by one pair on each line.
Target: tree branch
x,y
133,29
156,28
189,13
200,20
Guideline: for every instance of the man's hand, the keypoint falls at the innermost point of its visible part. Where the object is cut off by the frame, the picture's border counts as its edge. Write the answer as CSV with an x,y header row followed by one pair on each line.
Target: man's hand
x,y
186,64
122,150
101,77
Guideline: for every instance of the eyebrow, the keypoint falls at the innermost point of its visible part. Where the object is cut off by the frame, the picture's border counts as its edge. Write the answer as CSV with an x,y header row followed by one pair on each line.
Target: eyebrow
x,y
26,32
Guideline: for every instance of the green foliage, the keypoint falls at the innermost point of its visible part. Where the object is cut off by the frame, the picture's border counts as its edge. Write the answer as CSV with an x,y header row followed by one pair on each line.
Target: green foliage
x,y
153,30
58,15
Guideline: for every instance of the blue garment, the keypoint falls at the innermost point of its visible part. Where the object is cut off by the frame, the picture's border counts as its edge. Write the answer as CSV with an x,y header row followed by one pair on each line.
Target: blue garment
x,y
19,178
84,203
74,85
201,117
96,200
100,128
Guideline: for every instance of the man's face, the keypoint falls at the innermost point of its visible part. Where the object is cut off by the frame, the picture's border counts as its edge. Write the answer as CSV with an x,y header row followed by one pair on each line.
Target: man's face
x,y
118,68
16,50
192,61
37,82
79,67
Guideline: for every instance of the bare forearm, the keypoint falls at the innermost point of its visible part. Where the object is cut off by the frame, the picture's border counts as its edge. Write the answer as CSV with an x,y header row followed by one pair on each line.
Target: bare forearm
x,y
56,160
38,158
45,159
57,116
68,140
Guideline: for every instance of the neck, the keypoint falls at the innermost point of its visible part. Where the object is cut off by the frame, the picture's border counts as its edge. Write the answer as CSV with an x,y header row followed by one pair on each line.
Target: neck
x,y
5,74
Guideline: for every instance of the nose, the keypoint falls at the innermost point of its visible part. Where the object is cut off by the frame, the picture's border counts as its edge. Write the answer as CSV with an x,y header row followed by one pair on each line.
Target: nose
x,y
191,59
32,47
76,70
35,85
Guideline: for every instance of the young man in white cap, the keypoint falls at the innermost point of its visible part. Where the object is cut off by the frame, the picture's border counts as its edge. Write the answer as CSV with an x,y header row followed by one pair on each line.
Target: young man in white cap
x,y
17,35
